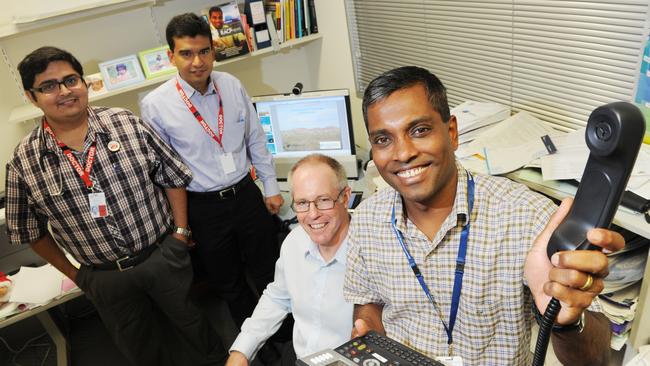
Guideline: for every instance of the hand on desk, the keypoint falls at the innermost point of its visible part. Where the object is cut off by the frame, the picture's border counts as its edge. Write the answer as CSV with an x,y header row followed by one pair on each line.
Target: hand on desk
x,y
237,359
566,275
274,203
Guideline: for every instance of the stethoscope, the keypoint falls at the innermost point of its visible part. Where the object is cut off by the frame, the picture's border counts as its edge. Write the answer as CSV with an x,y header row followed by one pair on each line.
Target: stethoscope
x,y
44,153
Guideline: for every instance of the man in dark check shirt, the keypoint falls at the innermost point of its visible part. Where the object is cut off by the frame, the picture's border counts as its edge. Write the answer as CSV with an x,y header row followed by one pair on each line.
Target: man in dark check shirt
x,y
101,184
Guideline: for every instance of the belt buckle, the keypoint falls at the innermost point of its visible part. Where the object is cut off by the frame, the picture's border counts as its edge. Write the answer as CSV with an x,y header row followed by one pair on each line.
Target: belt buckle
x,y
227,190
119,264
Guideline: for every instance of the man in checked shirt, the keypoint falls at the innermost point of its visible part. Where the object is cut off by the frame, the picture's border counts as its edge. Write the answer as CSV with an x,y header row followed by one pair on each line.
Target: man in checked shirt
x,y
479,310
111,192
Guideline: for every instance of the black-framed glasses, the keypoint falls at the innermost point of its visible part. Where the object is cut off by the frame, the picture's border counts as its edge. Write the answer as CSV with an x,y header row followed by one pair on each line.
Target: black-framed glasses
x,y
321,203
53,86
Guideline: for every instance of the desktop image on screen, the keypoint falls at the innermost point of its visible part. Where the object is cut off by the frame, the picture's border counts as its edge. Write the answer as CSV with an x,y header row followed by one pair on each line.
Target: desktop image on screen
x,y
311,122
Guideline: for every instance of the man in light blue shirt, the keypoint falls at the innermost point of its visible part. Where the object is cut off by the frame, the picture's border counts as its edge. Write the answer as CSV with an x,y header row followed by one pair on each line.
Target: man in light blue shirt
x,y
309,274
208,118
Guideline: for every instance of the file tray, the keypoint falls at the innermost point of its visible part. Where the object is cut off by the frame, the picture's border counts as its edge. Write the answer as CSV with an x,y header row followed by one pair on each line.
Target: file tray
x,y
373,349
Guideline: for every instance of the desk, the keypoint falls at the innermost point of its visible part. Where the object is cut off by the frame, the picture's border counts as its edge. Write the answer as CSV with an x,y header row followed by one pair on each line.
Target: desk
x,y
624,218
48,323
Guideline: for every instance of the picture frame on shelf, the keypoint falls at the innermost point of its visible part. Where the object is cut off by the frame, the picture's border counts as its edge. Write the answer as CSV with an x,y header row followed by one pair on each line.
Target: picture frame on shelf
x,y
156,62
95,83
121,72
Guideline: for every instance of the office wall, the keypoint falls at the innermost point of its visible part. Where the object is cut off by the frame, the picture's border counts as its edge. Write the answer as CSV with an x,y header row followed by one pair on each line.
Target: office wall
x,y
322,64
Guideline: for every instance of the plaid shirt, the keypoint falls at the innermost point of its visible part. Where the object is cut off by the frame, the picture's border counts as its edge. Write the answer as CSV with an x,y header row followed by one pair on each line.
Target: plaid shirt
x,y
494,318
131,179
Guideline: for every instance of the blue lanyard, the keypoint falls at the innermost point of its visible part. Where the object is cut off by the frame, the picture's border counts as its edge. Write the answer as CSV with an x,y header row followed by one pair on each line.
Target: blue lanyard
x,y
460,264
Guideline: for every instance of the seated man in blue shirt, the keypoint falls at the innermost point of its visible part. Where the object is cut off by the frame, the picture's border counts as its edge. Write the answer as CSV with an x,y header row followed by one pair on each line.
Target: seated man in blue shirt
x,y
309,274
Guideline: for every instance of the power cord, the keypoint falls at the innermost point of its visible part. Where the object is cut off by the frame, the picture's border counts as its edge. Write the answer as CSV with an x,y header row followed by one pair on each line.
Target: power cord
x,y
16,353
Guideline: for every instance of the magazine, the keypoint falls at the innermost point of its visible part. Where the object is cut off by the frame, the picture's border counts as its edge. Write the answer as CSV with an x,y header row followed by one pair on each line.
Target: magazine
x,y
228,36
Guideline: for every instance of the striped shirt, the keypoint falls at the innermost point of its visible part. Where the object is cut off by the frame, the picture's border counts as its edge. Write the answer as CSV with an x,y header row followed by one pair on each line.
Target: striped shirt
x,y
494,318
131,178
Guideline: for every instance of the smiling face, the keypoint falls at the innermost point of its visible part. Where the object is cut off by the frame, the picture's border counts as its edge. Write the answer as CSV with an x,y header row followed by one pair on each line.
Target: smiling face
x,y
193,57
65,104
310,182
413,148
216,19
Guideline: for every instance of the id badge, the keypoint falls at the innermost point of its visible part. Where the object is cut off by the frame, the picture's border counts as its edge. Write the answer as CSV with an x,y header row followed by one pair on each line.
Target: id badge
x,y
450,360
98,206
227,163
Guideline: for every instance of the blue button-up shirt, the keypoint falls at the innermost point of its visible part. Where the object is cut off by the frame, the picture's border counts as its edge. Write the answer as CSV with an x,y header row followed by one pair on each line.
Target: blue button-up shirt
x,y
308,287
243,135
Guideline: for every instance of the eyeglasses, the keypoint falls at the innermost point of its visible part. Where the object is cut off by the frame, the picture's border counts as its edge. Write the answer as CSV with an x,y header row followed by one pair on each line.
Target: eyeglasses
x,y
321,203
53,86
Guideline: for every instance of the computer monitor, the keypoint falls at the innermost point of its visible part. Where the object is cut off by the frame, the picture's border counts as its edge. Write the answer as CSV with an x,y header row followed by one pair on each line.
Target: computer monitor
x,y
311,122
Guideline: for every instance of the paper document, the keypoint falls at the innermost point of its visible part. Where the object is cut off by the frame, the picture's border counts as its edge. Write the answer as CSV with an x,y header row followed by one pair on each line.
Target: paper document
x,y
513,143
471,115
513,132
36,285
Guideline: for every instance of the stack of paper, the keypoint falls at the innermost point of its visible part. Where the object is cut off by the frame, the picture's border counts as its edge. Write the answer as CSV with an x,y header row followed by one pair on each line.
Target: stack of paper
x,y
511,144
473,117
620,307
627,265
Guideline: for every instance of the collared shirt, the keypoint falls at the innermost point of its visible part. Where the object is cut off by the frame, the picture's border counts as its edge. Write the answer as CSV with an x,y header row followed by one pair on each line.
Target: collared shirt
x,y
243,135
494,317
130,178
308,287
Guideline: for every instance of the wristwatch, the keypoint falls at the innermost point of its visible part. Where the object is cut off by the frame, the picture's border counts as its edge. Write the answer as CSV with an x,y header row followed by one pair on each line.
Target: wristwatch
x,y
183,231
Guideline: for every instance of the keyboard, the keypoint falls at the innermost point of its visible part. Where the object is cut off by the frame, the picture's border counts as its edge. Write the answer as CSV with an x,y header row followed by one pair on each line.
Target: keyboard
x,y
373,349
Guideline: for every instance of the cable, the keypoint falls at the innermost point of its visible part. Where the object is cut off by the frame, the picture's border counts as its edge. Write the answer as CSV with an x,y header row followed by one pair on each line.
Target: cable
x,y
16,353
545,329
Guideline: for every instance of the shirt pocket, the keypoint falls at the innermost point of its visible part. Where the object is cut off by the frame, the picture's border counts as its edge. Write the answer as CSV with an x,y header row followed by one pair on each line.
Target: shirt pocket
x,y
475,329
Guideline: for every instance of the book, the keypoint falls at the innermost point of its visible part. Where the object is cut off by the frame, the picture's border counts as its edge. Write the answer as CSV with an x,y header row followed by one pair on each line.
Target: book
x,y
254,10
228,36
312,17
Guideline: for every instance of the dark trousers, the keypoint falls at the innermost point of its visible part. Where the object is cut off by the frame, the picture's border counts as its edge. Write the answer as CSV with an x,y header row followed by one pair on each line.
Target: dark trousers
x,y
147,312
233,237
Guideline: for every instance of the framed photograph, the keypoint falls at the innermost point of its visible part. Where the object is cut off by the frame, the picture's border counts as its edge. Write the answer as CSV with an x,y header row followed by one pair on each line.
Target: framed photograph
x,y
155,62
95,84
121,72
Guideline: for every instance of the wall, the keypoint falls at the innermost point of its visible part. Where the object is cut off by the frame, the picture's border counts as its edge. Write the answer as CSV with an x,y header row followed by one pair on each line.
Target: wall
x,y
322,64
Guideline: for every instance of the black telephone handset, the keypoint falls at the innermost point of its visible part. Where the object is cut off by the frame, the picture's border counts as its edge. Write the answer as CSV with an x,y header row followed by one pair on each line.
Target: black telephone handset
x,y
614,136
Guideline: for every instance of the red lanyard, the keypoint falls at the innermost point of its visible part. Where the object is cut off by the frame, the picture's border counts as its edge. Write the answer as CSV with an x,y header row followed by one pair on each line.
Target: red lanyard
x,y
198,116
84,173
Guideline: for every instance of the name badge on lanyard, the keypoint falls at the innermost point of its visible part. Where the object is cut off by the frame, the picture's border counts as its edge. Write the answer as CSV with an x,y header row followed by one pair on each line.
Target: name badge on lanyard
x,y
226,159
458,273
96,200
98,206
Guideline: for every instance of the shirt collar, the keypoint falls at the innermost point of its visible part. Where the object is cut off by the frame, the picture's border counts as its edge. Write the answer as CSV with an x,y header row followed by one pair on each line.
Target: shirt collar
x,y
339,257
458,211
190,91
96,127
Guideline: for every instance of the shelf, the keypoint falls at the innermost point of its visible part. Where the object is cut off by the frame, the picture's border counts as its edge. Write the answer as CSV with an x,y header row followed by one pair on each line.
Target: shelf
x,y
28,111
25,24
624,217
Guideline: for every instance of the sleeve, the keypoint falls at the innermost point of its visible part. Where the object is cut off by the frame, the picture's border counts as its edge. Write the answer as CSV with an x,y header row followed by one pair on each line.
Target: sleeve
x,y
272,308
24,224
259,155
358,287
168,169
151,117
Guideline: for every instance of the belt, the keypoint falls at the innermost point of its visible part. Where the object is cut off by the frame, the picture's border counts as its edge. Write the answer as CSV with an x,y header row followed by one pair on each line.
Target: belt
x,y
226,193
128,261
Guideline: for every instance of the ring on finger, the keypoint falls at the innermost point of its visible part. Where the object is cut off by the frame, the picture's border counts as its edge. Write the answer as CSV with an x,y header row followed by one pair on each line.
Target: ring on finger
x,y
587,285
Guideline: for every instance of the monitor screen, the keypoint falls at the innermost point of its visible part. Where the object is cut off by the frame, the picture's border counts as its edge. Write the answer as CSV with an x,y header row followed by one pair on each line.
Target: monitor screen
x,y
311,122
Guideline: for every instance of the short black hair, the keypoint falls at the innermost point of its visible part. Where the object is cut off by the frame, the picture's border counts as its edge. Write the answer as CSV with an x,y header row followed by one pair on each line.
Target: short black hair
x,y
405,77
213,9
187,25
38,61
